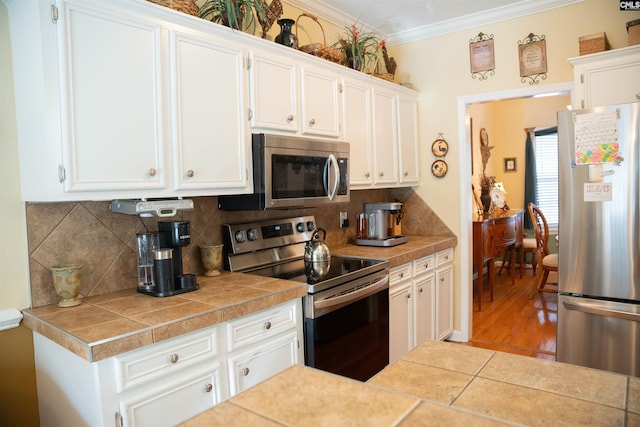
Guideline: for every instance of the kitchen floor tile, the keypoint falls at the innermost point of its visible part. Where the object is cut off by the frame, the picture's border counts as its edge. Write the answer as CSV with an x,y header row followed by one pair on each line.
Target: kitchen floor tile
x,y
594,386
434,415
328,400
450,356
534,407
425,382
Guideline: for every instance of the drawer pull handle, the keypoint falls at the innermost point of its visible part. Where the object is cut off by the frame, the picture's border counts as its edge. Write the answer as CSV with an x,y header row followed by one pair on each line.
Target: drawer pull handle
x,y
208,388
406,174
408,296
245,371
420,290
190,173
426,265
290,118
152,172
267,325
367,175
442,279
381,173
312,122
401,275
174,358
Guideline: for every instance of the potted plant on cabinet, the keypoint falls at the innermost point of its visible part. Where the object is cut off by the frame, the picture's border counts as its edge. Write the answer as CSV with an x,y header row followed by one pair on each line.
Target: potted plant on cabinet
x,y
237,14
359,48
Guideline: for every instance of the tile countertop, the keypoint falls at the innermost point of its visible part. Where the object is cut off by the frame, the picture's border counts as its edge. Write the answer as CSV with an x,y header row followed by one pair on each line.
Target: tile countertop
x,y
107,325
438,383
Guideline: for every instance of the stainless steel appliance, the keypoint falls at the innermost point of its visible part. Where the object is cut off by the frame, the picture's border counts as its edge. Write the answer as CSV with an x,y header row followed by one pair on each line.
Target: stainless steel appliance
x,y
346,310
294,172
384,224
599,243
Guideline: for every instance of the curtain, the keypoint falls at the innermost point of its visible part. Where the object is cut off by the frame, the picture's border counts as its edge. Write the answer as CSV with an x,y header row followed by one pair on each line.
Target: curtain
x,y
530,174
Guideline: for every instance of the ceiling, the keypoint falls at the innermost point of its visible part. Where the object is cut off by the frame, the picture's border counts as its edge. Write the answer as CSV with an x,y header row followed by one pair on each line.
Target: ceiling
x,y
402,21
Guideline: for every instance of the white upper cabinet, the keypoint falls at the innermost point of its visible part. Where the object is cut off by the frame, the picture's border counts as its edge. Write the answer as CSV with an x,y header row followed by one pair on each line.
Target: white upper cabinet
x,y
606,78
320,102
208,112
356,124
273,93
408,140
385,137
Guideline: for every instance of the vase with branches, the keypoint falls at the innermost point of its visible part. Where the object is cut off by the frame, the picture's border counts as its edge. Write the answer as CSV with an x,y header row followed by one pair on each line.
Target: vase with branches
x,y
359,47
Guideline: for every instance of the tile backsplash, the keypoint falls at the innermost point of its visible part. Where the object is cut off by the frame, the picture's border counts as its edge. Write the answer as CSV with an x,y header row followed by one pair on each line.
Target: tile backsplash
x,y
88,233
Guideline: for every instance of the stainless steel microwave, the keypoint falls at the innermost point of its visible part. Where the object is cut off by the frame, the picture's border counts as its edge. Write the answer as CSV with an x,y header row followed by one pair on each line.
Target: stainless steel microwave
x,y
293,172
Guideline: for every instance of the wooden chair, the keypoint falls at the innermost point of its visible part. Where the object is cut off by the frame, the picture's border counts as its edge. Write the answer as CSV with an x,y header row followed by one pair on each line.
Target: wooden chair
x,y
528,245
547,261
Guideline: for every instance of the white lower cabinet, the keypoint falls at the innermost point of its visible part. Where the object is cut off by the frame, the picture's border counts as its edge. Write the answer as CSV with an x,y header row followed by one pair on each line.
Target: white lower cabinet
x,y
169,382
420,302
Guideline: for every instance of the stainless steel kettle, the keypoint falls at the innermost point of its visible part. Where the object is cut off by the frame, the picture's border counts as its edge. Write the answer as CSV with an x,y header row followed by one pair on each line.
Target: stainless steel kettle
x,y
317,250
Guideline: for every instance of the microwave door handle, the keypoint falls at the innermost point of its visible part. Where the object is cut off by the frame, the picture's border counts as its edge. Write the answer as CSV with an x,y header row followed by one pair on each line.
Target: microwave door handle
x,y
336,176
325,177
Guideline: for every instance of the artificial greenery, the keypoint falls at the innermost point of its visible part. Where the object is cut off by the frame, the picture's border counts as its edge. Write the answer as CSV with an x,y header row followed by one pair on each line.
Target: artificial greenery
x,y
237,14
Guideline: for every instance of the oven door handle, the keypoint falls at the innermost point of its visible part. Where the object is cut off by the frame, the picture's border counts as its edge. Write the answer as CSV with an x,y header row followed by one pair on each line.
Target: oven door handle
x,y
358,294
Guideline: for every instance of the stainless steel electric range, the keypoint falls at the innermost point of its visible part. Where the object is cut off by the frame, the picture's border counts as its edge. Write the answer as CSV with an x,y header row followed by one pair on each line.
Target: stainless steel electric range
x,y
346,310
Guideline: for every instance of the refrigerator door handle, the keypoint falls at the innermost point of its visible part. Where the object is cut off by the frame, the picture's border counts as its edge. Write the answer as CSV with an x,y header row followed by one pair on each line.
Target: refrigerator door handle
x,y
603,309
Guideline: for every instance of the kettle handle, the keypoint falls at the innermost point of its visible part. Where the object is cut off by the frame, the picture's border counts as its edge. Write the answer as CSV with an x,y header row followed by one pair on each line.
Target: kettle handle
x,y
314,236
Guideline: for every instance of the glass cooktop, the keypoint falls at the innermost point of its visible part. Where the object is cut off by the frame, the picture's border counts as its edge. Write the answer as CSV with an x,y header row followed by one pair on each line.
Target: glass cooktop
x,y
338,269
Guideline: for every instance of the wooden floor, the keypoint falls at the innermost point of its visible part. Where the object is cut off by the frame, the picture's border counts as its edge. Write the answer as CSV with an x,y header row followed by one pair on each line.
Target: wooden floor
x,y
515,322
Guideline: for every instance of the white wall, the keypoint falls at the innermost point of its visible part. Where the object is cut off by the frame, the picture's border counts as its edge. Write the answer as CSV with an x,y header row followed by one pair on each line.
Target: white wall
x,y
14,277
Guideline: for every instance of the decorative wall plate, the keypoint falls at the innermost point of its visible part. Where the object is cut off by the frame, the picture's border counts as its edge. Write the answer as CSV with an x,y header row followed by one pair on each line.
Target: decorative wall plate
x,y
439,168
440,147
498,198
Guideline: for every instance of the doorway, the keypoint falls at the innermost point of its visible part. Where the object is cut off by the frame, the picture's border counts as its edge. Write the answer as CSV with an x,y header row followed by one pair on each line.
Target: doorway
x,y
467,207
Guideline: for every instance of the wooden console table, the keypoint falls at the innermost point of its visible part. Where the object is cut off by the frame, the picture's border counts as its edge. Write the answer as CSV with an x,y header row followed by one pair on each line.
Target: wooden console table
x,y
491,235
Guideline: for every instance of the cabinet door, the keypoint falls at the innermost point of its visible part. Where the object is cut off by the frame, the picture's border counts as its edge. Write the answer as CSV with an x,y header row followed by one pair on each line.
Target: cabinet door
x,y
172,402
609,78
444,302
424,309
113,115
356,127
211,142
273,93
408,139
260,362
400,320
385,140
320,102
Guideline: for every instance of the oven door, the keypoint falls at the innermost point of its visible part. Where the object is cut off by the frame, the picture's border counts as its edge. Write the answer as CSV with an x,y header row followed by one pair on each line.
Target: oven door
x,y
346,328
305,177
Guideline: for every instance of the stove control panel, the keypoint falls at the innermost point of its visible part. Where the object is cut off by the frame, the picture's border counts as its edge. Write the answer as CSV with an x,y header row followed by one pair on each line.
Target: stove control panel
x,y
255,236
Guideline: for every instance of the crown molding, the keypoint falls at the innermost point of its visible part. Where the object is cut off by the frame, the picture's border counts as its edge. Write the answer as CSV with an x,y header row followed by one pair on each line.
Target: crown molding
x,y
504,13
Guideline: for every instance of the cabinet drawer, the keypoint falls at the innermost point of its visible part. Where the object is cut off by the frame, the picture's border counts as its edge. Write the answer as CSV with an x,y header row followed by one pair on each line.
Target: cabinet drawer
x,y
158,360
258,363
504,231
444,257
399,274
424,265
256,327
173,402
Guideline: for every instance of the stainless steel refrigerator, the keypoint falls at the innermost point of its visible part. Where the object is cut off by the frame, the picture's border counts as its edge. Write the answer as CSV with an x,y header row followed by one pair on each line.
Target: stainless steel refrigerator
x,y
599,238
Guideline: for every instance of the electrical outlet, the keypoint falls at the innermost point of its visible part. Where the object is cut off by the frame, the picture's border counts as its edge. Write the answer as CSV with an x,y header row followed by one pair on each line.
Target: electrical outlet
x,y
344,220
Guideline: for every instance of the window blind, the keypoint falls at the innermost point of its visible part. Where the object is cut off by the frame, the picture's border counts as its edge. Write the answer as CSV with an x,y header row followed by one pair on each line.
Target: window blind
x,y
546,149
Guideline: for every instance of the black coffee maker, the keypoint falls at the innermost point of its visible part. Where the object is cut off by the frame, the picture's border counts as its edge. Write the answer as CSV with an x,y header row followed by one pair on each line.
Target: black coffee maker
x,y
174,235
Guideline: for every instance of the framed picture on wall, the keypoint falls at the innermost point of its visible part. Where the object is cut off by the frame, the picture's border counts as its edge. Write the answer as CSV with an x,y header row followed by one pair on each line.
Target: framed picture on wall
x,y
510,164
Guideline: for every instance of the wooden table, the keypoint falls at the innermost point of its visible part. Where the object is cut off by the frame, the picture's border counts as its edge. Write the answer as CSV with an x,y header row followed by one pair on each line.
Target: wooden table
x,y
491,235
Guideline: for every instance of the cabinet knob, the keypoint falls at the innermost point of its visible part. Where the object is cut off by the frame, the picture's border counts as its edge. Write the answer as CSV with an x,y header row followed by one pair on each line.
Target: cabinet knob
x,y
190,173
420,290
312,122
638,95
442,279
290,118
245,371
152,172
401,275
426,265
408,296
367,175
381,173
208,388
406,174
174,358
267,325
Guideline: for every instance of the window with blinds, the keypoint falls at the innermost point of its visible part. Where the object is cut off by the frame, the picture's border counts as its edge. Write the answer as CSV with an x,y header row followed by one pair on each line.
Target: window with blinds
x,y
546,149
